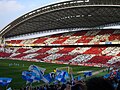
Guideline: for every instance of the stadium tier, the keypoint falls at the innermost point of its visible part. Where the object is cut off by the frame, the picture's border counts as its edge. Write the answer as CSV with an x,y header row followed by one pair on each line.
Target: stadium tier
x,y
89,37
87,47
66,57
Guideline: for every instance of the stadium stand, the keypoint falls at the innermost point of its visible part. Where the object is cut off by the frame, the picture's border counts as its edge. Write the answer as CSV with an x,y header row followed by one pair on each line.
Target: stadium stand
x,y
85,37
92,53
82,40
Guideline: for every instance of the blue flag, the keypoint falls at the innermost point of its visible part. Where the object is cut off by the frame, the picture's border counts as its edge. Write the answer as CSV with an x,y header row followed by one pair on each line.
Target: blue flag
x,y
36,69
89,73
39,71
106,76
50,77
78,78
62,76
30,76
118,75
5,81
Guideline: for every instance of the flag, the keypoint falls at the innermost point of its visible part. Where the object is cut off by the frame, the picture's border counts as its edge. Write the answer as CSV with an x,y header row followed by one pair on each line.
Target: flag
x,y
9,88
118,75
78,78
40,72
62,76
30,76
50,77
5,81
106,76
89,73
37,69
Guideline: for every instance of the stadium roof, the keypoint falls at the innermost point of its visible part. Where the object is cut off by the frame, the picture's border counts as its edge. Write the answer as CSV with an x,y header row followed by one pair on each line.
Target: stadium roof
x,y
69,14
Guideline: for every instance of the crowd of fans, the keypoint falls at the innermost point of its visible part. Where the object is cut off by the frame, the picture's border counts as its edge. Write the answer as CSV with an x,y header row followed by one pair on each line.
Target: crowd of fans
x,y
111,82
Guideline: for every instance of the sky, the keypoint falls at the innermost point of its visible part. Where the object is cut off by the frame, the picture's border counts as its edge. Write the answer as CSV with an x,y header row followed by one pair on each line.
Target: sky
x,y
12,9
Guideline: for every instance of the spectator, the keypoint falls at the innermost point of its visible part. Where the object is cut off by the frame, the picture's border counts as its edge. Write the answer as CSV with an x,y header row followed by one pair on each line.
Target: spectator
x,y
80,85
98,83
118,88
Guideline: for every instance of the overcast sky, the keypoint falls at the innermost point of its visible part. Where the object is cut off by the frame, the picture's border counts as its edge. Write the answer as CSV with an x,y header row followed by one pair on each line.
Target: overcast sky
x,y
12,9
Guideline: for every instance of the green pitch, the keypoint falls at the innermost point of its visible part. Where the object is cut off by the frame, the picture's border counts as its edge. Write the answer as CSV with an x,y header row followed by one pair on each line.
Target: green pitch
x,y
13,69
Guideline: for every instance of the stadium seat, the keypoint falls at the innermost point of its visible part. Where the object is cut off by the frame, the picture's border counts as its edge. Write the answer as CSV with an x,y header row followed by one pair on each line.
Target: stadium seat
x,y
99,59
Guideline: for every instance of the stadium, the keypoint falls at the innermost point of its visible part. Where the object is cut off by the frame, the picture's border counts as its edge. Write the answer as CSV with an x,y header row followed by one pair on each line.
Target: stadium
x,y
70,33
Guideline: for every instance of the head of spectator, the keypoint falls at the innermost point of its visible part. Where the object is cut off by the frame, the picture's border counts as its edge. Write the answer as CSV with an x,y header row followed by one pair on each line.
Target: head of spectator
x,y
80,85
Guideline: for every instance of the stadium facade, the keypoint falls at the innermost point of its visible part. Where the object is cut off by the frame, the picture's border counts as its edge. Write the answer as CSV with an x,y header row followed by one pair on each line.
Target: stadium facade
x,y
79,39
